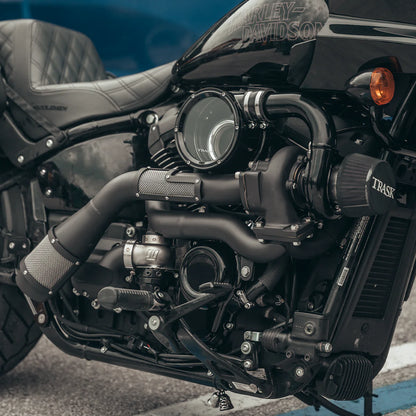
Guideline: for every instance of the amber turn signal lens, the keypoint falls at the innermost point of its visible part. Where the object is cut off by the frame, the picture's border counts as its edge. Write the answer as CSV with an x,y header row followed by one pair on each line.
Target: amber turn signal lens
x,y
382,86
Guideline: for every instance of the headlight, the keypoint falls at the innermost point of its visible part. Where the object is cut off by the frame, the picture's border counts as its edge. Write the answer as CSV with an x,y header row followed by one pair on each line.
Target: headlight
x,y
207,129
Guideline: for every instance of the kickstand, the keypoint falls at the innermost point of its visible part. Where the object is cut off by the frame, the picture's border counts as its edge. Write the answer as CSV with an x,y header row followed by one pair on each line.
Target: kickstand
x,y
312,398
368,402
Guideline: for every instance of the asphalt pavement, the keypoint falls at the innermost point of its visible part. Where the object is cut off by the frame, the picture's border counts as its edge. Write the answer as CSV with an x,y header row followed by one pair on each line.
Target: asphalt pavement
x,y
51,383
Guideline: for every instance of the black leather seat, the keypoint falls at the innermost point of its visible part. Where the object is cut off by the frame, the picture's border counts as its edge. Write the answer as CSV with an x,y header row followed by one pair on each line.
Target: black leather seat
x,y
58,71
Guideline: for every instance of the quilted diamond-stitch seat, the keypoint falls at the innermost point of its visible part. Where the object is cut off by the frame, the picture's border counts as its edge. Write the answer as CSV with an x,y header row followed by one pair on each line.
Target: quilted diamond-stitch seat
x,y
58,71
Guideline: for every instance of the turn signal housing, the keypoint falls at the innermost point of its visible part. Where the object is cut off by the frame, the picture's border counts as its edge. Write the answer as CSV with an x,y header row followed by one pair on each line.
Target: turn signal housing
x,y
382,86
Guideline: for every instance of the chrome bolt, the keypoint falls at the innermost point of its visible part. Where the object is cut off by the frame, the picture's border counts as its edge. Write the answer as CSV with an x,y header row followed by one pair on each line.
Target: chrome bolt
x,y
12,245
48,192
20,159
251,125
151,118
75,292
300,372
297,244
154,323
118,310
328,347
210,373
229,326
104,349
49,143
263,126
248,365
77,263
41,318
95,304
289,354
43,172
309,328
320,225
294,227
248,305
129,278
25,272
324,347
245,271
307,357
246,347
130,232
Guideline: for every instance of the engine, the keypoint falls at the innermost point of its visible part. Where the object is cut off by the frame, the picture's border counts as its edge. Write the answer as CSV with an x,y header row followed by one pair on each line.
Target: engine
x,y
228,276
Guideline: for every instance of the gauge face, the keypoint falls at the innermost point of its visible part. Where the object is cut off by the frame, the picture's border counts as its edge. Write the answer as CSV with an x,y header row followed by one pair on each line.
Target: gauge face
x,y
207,129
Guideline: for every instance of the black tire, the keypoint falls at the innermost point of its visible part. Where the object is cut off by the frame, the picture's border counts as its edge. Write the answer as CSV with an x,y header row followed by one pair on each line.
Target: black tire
x,y
18,331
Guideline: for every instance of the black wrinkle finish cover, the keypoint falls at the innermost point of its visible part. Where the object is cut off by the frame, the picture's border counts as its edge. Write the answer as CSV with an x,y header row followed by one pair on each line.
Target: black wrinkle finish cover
x,y
364,186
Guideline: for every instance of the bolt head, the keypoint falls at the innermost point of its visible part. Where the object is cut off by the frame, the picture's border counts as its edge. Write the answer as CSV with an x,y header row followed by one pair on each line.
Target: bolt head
x,y
43,172
20,159
104,349
248,364
210,373
41,318
48,192
130,232
246,347
245,271
294,227
49,143
154,323
229,326
289,354
328,347
95,304
150,118
300,372
297,244
12,245
309,328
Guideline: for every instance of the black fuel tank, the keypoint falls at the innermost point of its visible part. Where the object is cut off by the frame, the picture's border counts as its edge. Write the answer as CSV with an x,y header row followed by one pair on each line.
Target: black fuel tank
x,y
261,41
403,11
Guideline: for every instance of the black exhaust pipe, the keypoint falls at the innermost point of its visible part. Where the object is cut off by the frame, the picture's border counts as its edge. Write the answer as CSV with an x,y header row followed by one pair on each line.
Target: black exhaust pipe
x,y
233,232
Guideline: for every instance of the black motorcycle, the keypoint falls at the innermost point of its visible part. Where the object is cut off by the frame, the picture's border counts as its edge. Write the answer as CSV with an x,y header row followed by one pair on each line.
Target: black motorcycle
x,y
243,218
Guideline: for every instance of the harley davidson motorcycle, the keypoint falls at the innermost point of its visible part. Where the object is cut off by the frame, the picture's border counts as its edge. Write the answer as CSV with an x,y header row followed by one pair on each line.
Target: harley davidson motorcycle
x,y
243,218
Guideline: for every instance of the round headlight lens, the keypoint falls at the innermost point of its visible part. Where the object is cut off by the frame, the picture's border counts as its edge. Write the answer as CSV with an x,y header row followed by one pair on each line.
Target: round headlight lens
x,y
207,129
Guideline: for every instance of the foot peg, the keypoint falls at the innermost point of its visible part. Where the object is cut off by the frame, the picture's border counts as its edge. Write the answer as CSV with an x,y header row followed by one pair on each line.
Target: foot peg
x,y
114,298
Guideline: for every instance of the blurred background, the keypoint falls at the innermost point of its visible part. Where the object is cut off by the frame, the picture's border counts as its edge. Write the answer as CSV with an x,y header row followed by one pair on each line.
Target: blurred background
x,y
130,35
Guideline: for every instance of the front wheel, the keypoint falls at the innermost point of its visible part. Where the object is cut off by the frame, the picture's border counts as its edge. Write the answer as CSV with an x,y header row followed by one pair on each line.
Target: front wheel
x,y
18,331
